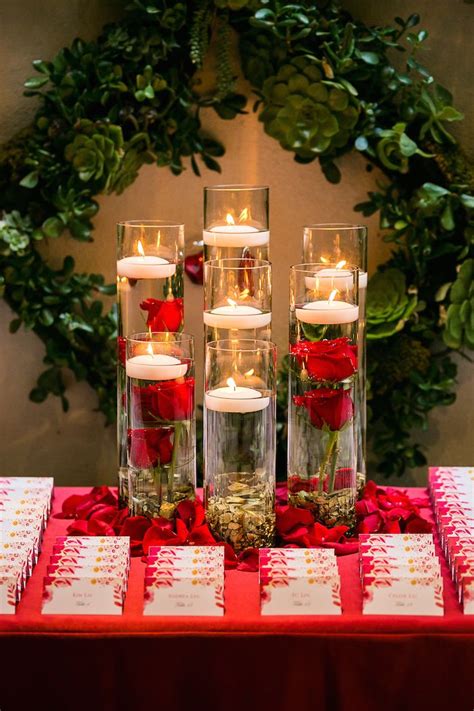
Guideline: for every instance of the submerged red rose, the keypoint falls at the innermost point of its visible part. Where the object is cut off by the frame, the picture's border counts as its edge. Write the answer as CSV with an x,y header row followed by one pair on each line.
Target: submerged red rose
x,y
121,350
333,360
325,406
167,315
169,400
149,447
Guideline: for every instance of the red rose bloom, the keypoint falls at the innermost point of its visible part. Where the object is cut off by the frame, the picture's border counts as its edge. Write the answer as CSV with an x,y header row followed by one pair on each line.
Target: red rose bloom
x,y
165,315
327,407
169,400
150,447
333,360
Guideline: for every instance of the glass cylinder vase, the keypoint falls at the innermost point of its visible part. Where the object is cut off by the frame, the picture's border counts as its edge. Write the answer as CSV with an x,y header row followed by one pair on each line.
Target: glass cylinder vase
x,y
236,222
341,244
150,294
237,299
161,446
322,408
239,441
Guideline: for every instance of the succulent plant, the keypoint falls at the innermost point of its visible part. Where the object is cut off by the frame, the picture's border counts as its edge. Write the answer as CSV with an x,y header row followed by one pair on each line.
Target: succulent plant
x,y
306,113
388,303
260,56
395,148
459,329
15,232
96,152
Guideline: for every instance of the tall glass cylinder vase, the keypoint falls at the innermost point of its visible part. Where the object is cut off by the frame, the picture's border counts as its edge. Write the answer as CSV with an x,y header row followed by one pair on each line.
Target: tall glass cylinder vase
x,y
161,446
341,244
322,408
236,222
237,299
150,296
239,441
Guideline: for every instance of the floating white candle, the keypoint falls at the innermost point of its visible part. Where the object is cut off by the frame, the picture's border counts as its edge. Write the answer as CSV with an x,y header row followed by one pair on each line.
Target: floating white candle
x,y
155,367
235,398
325,280
236,316
232,235
328,312
146,267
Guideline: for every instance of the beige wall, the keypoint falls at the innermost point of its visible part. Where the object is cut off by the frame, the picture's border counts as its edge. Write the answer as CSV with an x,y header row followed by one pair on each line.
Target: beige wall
x,y
76,448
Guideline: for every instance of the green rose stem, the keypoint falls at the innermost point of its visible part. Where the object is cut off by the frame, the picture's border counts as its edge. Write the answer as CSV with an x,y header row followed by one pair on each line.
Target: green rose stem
x,y
333,437
334,457
177,436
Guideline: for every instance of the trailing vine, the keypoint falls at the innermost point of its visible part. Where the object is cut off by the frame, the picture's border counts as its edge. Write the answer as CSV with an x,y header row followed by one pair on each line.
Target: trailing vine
x,y
325,85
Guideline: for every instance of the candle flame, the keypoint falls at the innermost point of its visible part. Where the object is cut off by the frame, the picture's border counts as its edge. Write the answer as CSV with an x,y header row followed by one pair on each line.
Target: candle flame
x,y
229,219
244,215
324,260
232,303
333,294
140,249
231,383
244,294
149,349
158,239
249,373
341,264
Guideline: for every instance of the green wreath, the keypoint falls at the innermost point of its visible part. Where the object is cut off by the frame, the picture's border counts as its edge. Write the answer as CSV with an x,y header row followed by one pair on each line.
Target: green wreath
x,y
325,85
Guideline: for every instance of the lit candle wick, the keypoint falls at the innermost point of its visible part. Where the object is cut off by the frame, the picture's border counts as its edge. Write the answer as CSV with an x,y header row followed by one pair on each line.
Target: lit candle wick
x,y
141,251
150,349
249,373
232,303
231,384
229,219
333,295
341,264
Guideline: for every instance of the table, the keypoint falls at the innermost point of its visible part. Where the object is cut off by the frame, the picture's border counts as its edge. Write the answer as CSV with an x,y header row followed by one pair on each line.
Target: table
x,y
319,662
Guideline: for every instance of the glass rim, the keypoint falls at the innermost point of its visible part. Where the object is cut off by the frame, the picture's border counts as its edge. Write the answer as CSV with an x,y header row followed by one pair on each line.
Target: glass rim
x,y
218,264
309,267
149,223
236,187
334,226
268,346
148,337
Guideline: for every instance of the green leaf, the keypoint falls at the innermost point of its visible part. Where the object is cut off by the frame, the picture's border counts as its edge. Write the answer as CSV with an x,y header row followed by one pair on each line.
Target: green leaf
x,y
30,180
15,325
442,292
46,317
361,143
36,82
369,57
38,395
52,227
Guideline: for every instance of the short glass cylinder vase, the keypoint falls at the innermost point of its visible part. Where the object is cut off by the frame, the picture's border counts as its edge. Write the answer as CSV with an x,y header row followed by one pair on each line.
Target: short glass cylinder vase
x,y
239,441
237,299
236,222
341,244
322,408
150,294
161,440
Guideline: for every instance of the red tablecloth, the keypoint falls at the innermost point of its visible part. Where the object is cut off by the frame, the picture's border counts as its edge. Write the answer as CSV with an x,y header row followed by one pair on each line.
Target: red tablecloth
x,y
319,662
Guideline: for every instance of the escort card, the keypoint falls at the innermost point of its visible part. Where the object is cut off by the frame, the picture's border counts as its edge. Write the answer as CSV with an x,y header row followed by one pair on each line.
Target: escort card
x,y
184,580
179,593
300,595
403,596
83,596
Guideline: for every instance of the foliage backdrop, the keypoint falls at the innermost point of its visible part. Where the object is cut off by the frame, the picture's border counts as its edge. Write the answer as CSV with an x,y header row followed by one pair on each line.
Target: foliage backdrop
x,y
324,85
